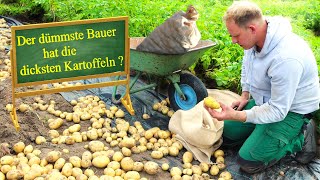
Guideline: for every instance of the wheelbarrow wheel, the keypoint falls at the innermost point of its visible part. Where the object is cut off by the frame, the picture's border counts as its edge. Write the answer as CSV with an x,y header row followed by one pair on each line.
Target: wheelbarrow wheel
x,y
193,89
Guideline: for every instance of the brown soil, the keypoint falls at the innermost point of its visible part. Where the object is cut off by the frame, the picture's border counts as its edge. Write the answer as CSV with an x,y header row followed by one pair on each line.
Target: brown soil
x,y
33,123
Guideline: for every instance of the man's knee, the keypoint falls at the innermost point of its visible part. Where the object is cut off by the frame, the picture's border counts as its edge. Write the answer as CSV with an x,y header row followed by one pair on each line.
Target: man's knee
x,y
252,167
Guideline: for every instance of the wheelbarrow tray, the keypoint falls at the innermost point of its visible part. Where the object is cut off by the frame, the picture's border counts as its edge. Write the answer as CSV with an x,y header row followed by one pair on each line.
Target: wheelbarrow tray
x,y
165,64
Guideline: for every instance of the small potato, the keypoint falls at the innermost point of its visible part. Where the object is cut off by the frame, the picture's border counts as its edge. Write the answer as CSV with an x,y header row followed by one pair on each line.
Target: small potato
x,y
40,140
218,152
165,166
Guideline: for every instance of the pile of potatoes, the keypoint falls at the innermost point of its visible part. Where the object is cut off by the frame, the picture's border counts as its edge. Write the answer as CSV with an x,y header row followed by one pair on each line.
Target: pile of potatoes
x,y
108,131
163,107
5,40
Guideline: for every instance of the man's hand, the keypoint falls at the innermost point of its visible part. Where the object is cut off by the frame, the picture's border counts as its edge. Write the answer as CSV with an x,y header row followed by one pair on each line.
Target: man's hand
x,y
227,113
242,102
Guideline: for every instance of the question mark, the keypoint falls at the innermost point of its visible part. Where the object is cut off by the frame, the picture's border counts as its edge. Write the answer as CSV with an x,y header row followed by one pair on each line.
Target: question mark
x,y
121,59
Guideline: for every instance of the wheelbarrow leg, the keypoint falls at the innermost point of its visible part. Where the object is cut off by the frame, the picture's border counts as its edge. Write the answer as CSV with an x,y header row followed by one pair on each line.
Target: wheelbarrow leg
x,y
175,78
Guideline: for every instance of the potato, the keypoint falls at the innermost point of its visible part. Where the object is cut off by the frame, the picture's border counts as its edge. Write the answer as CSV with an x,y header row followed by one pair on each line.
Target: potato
x,y
14,174
85,163
100,161
77,172
96,146
151,167
74,128
117,156
187,157
126,151
128,142
220,160
221,166
59,163
87,155
2,176
19,147
55,124
165,166
6,160
89,172
175,171
218,152
210,102
173,151
67,169
28,149
114,165
132,175
225,175
187,171
53,156
196,169
40,140
109,172
127,164
75,161
214,170
53,133
119,113
156,154
137,166
23,107
204,167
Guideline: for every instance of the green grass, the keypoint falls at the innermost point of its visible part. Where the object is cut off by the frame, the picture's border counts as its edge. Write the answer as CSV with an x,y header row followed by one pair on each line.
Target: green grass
x,y
219,67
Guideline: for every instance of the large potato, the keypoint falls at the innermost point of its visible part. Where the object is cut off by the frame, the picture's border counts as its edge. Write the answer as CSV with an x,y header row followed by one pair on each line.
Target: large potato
x,y
128,142
127,164
151,167
96,146
100,161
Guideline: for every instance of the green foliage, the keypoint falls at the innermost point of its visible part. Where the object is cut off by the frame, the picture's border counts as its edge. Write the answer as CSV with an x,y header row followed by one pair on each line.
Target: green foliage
x,y
312,22
220,66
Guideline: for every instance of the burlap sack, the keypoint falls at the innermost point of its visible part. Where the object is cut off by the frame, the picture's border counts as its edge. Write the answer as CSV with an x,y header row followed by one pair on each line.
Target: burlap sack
x,y
197,130
176,35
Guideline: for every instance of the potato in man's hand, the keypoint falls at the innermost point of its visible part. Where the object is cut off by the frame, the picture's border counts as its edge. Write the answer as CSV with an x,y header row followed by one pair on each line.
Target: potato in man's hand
x,y
210,102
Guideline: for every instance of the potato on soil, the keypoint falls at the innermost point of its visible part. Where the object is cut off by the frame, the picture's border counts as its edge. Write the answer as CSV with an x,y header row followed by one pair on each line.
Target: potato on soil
x,y
127,164
19,147
151,167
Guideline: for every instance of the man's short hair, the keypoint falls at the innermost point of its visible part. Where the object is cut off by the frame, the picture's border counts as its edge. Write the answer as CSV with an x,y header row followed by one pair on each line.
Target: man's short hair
x,y
243,12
